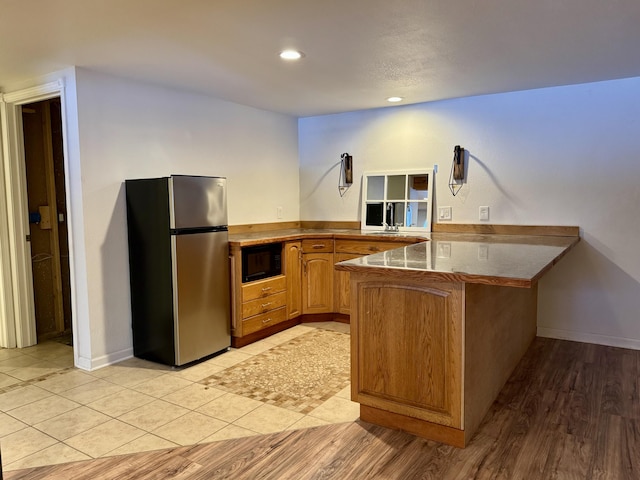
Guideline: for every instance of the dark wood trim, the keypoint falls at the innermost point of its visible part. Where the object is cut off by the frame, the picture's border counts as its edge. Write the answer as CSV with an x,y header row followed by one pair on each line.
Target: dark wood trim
x,y
238,342
563,231
324,317
342,318
415,426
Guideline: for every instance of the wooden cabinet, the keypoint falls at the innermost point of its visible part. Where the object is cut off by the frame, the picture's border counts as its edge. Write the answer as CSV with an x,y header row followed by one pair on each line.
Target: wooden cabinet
x,y
367,247
319,245
309,284
263,320
317,283
317,276
346,250
407,348
293,273
262,304
429,357
342,286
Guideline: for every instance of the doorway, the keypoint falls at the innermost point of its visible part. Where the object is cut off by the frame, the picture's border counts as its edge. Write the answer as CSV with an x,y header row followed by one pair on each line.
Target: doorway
x,y
48,232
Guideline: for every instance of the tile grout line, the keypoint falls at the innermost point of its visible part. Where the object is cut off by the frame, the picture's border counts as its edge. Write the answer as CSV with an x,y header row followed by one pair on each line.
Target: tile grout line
x,y
33,381
132,388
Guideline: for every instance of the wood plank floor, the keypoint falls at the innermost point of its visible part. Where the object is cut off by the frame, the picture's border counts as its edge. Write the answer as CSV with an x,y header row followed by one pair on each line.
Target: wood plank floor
x,y
569,411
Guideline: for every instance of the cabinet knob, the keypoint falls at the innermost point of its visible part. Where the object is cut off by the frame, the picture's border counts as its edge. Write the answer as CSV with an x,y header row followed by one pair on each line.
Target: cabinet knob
x,y
265,305
318,245
266,320
266,289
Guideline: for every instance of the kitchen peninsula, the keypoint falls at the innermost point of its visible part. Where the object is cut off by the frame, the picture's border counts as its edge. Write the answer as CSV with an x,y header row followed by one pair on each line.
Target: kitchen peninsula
x,y
438,327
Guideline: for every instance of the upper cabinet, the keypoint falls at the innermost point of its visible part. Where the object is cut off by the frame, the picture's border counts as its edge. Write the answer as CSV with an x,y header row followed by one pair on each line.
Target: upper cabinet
x,y
399,201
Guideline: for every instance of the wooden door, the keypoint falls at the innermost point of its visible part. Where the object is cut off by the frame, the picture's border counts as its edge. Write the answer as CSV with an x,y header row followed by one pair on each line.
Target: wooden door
x,y
44,167
407,348
342,290
317,283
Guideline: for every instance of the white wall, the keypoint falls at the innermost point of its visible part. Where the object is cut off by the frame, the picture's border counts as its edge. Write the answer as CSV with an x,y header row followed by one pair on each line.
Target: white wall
x,y
133,130
556,156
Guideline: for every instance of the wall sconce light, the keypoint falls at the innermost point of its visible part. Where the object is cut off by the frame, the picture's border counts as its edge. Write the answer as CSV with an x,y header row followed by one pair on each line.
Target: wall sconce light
x,y
346,173
456,178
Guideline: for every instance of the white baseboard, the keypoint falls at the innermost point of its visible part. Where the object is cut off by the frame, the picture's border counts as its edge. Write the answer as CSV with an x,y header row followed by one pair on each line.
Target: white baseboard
x,y
104,361
631,343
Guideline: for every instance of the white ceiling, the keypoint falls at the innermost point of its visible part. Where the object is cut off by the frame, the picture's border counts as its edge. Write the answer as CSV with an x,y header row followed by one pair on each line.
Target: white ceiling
x,y
358,52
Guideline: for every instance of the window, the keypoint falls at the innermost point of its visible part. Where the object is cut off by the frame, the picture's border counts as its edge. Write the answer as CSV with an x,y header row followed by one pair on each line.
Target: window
x,y
397,199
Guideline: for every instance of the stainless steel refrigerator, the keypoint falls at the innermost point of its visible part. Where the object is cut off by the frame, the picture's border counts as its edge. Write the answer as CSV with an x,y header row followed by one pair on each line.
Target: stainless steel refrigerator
x,y
179,267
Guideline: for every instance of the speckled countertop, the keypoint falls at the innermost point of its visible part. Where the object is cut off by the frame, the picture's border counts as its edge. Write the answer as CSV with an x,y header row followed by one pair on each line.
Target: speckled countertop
x,y
509,260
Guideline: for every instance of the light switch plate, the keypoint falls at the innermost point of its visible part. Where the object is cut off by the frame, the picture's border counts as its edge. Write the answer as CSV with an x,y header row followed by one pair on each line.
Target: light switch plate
x,y
483,213
444,213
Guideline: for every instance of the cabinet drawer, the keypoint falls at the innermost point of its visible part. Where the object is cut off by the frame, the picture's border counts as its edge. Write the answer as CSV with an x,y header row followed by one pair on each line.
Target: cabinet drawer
x,y
264,320
362,247
320,245
263,288
264,304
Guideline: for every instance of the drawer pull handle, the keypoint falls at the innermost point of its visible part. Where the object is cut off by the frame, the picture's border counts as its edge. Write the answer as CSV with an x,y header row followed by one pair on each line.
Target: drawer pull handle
x,y
318,245
265,305
266,320
266,289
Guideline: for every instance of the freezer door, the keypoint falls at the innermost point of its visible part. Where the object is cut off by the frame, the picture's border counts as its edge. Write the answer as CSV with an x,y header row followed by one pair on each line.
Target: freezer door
x,y
201,295
197,201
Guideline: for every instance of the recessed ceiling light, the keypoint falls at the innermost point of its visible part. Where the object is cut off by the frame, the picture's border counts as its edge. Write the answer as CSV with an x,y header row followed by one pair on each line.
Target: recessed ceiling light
x,y
394,99
291,55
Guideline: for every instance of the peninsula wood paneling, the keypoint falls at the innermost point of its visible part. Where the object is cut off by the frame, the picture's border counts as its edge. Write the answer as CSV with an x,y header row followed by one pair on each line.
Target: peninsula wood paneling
x,y
500,325
407,348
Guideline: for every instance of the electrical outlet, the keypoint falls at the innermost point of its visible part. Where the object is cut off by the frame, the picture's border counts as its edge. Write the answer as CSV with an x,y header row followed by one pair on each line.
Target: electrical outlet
x,y
483,213
444,213
279,212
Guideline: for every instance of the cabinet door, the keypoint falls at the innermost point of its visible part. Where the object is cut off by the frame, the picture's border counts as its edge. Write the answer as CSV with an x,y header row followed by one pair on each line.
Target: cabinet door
x,y
293,272
342,290
406,346
317,283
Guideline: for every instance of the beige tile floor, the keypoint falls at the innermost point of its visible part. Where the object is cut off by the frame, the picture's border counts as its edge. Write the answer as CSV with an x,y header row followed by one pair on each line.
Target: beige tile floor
x,y
135,405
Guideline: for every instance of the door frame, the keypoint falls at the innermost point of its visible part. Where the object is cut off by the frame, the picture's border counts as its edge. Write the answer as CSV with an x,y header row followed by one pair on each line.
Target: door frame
x,y
16,281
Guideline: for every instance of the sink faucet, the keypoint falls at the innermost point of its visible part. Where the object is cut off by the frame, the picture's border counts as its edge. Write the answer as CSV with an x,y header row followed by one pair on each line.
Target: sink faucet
x,y
390,228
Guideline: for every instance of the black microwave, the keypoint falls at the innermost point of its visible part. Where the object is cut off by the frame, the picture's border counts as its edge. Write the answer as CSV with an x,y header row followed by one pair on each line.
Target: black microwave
x,y
261,261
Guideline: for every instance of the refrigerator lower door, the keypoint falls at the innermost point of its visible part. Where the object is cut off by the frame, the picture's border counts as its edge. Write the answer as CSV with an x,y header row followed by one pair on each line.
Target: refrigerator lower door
x,y
201,295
